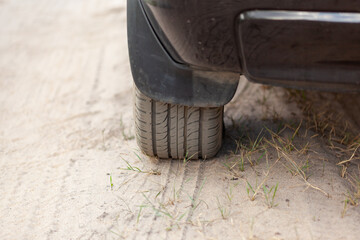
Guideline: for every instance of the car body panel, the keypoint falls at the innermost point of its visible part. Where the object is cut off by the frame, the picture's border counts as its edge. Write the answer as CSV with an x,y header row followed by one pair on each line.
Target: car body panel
x,y
203,32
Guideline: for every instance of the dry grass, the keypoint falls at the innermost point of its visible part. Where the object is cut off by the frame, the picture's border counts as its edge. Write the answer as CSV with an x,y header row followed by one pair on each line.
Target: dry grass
x,y
289,143
340,136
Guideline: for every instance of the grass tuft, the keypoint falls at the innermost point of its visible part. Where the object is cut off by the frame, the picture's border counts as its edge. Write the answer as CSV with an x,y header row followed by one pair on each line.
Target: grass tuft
x,y
270,195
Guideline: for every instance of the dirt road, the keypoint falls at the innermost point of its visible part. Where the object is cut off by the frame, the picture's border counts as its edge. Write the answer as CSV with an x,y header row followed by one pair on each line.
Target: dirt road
x,y
70,167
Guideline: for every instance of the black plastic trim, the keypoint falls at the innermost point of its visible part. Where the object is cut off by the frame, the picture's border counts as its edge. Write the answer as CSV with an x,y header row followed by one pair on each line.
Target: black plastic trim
x,y
301,49
159,77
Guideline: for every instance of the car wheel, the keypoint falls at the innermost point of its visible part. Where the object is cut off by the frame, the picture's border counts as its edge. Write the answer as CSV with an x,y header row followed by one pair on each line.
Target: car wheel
x,y
173,131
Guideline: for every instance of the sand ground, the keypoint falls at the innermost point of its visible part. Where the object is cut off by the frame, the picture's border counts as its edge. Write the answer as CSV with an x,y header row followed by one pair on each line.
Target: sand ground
x,y
67,140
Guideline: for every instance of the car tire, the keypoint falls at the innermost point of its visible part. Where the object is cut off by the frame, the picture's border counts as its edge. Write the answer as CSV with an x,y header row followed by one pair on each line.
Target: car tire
x,y
173,131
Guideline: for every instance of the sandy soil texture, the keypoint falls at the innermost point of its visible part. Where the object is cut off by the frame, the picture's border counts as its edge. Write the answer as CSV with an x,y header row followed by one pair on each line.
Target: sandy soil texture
x,y
71,169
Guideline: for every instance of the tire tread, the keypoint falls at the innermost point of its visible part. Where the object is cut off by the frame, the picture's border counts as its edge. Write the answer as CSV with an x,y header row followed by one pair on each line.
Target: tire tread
x,y
174,131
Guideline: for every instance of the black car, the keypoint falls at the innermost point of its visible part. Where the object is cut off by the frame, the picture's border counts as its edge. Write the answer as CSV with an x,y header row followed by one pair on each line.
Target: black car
x,y
187,56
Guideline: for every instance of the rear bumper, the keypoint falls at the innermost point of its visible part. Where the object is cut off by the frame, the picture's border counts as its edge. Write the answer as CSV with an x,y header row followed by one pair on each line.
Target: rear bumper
x,y
317,50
